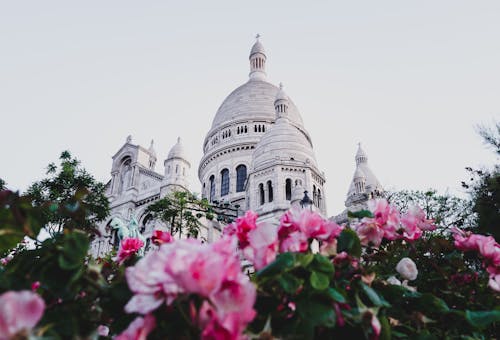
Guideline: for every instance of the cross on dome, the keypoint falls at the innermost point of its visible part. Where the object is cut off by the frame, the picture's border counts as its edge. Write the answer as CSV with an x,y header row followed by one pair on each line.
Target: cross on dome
x,y
257,36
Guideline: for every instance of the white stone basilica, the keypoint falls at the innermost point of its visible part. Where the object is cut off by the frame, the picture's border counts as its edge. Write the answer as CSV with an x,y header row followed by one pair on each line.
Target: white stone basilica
x,y
257,155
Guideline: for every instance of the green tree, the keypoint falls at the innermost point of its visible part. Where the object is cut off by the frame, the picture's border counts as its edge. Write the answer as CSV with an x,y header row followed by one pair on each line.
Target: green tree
x,y
446,210
182,211
484,187
76,200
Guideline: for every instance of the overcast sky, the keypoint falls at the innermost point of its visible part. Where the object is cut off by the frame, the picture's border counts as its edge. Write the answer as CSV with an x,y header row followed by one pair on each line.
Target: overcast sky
x,y
408,79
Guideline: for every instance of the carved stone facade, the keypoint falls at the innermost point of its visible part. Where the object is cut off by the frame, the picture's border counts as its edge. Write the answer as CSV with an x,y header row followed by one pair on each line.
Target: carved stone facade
x,y
256,155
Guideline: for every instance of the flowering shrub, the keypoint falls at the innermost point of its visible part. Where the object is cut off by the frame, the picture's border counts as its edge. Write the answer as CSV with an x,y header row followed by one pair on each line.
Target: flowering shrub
x,y
384,275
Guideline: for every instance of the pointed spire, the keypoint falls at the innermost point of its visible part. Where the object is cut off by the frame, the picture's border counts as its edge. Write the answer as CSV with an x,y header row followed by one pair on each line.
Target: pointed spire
x,y
257,60
281,103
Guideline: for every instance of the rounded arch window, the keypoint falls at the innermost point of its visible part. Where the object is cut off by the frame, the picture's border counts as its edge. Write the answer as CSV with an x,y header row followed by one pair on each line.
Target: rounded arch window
x,y
212,188
270,191
241,176
224,182
261,194
288,189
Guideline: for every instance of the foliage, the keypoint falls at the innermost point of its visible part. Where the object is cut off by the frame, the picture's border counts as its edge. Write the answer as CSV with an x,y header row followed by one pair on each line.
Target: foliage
x,y
305,278
446,210
182,212
484,187
69,197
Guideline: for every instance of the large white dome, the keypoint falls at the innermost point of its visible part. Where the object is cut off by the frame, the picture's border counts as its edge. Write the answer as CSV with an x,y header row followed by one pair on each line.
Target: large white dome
x,y
253,100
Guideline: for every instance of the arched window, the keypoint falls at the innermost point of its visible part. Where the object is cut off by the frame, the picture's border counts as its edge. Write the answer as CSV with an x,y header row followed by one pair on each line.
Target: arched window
x,y
177,169
241,176
261,193
319,198
212,188
224,182
288,189
168,169
183,171
270,191
315,196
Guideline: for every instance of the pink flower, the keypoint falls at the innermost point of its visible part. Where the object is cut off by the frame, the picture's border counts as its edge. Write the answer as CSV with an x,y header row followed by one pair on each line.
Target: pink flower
x,y
129,247
35,285
138,329
262,245
416,216
383,224
19,312
160,237
212,271
370,233
242,226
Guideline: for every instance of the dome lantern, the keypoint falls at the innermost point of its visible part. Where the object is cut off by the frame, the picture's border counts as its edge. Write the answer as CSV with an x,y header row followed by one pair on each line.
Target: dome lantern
x,y
257,61
361,155
281,103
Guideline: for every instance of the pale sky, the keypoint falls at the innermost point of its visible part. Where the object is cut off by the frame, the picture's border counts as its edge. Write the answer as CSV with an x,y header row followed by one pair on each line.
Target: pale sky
x,y
408,79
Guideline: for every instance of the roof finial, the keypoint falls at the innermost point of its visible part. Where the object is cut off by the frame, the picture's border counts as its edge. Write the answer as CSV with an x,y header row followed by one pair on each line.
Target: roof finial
x,y
257,60
152,142
129,139
281,86
178,139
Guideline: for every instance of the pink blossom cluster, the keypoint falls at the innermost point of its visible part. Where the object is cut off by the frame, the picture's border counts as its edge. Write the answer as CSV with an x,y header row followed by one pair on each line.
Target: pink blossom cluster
x,y
260,242
128,248
212,271
388,223
19,313
487,247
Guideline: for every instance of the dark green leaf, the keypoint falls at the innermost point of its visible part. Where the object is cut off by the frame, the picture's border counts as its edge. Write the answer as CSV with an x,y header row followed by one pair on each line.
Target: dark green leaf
x,y
289,282
322,264
359,214
335,295
348,241
282,263
482,319
319,280
375,298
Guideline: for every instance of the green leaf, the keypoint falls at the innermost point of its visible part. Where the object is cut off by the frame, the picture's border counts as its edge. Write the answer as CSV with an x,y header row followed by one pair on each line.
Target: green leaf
x,y
429,303
74,250
289,282
322,264
482,319
376,299
385,333
359,214
336,295
348,241
282,263
319,280
303,259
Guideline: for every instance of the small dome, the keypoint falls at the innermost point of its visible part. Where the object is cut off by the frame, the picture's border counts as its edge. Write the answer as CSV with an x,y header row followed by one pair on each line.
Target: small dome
x,y
286,143
177,150
257,48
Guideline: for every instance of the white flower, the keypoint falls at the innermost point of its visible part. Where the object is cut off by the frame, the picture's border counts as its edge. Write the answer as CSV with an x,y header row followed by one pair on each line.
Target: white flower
x,y
407,269
393,281
103,330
